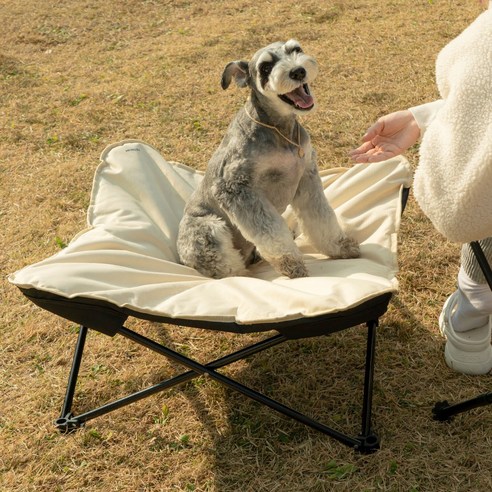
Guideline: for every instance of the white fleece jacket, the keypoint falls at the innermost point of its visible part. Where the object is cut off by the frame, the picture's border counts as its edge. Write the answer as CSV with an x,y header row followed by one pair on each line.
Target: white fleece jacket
x,y
453,181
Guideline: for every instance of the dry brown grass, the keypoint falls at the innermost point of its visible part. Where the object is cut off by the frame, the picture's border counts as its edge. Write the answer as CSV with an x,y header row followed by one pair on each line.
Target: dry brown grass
x,y
77,75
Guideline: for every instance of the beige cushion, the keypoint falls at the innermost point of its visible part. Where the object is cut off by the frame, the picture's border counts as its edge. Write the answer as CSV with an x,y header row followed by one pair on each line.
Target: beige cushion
x,y
128,256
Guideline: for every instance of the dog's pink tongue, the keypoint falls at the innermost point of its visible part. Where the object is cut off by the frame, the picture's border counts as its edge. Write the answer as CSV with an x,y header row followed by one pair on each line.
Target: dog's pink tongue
x,y
301,98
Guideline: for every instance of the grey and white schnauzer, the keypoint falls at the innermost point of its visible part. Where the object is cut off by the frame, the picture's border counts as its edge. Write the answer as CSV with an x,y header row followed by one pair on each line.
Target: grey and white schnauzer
x,y
264,163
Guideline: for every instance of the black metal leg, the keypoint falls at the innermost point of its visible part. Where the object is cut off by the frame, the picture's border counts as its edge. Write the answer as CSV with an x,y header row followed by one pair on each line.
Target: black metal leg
x,y
370,441
66,423
482,261
443,411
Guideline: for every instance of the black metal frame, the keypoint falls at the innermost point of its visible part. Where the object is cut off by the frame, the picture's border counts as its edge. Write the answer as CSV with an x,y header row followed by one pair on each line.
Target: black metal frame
x,y
366,442
443,410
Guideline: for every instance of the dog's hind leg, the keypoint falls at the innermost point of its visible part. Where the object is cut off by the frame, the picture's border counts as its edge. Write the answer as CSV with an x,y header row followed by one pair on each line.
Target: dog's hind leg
x,y
205,244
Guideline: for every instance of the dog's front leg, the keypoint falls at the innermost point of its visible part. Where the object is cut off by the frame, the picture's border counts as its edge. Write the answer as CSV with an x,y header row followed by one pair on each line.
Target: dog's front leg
x,y
260,223
318,220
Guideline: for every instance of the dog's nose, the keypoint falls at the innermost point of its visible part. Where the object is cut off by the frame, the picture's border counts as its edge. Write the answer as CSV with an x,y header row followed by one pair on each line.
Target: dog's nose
x,y
297,73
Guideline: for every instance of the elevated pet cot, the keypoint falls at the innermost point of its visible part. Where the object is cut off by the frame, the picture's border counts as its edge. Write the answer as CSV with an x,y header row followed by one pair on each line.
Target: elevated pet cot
x,y
125,265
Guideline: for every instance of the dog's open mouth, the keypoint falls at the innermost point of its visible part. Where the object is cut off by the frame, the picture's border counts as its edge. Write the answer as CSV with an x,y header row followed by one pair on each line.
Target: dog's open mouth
x,y
300,98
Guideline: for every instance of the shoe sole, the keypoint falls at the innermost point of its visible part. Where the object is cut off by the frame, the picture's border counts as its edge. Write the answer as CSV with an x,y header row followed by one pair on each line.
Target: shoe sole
x,y
472,363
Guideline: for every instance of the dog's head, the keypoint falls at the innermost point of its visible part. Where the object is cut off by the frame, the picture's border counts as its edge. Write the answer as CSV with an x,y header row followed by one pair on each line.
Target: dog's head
x,y
280,72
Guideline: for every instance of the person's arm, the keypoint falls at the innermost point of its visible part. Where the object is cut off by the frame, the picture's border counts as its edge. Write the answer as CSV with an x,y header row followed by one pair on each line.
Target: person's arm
x,y
453,181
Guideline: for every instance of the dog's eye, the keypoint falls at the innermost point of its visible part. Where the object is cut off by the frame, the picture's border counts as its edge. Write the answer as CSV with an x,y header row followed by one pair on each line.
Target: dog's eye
x,y
297,49
266,69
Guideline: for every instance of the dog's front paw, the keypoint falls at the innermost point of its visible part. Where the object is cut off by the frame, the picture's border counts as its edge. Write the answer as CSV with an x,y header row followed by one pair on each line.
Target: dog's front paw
x,y
347,248
291,266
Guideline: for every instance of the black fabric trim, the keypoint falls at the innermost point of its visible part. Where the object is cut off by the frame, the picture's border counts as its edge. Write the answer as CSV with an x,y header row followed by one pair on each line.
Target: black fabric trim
x,y
108,318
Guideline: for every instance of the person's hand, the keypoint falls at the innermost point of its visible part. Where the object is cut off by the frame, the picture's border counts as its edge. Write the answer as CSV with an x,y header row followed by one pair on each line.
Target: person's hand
x,y
390,136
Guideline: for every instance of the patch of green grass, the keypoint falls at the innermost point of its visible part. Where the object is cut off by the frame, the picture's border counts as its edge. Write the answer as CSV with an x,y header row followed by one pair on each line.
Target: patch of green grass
x,y
163,418
77,100
60,242
337,471
52,139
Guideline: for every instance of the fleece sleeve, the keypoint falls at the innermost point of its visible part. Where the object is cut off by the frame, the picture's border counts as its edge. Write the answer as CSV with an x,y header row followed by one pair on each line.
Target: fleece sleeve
x,y
453,181
425,113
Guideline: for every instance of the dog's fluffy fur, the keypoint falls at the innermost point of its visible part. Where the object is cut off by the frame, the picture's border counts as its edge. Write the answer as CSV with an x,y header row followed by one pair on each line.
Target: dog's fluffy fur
x,y
235,213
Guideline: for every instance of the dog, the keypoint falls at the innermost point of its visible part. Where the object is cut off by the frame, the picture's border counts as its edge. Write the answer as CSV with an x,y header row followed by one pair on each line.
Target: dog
x,y
264,163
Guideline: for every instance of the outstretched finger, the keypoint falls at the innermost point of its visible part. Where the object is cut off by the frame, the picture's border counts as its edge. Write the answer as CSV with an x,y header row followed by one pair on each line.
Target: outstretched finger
x,y
373,131
362,149
373,155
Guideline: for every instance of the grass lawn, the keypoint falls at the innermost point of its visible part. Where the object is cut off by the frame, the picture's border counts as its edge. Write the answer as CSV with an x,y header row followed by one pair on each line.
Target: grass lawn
x,y
76,76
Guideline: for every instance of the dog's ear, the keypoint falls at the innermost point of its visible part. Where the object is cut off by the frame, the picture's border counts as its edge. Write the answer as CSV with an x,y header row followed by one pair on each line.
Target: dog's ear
x,y
237,69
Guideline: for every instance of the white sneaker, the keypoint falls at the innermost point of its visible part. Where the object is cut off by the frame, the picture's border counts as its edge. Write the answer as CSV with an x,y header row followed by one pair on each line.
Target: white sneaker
x,y
468,352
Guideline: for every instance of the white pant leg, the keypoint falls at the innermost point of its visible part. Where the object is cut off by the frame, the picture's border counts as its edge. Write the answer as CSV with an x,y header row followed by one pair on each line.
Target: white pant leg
x,y
474,304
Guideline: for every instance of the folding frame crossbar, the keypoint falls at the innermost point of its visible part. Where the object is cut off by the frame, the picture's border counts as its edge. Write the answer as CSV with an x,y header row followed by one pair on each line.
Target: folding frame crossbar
x,y
443,410
366,442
